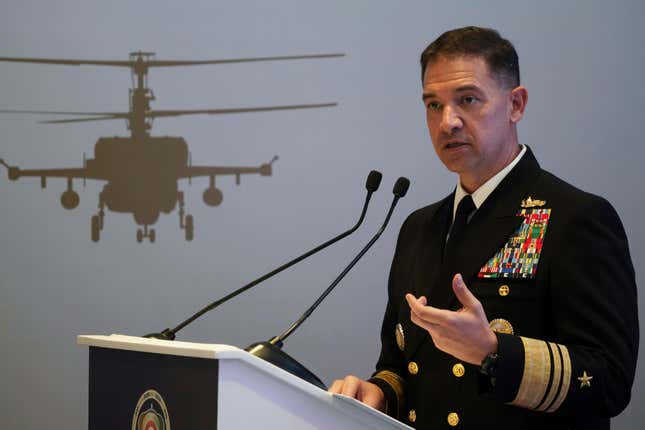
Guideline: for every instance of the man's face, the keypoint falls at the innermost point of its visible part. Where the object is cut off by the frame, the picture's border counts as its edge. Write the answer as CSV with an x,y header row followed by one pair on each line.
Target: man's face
x,y
471,118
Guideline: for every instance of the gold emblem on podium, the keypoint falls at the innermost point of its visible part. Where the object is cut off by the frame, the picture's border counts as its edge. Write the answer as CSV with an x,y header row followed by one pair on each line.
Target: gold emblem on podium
x,y
151,412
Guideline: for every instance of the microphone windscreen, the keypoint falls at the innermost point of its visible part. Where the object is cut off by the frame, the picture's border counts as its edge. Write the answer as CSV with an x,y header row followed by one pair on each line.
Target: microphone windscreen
x,y
401,186
373,181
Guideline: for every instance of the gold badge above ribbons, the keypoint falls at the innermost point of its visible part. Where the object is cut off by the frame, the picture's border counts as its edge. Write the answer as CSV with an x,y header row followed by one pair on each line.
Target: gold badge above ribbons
x,y
400,336
532,203
500,325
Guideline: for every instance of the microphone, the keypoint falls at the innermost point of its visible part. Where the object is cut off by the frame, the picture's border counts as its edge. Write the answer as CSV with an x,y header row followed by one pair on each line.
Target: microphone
x,y
371,185
271,351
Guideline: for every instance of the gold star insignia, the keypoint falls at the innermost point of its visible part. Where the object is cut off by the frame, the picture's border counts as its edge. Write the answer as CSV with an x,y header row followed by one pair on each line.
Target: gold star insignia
x,y
531,203
585,380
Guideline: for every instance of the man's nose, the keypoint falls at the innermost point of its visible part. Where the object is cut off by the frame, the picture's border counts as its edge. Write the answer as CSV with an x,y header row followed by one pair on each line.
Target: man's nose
x,y
450,120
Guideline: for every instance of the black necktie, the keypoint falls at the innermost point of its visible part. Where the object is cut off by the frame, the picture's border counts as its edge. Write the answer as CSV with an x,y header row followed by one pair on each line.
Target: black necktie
x,y
465,208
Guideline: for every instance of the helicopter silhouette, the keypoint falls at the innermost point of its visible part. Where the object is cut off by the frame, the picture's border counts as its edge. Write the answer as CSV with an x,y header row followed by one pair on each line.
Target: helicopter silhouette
x,y
142,171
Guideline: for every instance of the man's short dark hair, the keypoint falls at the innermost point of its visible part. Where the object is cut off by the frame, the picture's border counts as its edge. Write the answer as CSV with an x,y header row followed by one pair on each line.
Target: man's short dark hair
x,y
486,43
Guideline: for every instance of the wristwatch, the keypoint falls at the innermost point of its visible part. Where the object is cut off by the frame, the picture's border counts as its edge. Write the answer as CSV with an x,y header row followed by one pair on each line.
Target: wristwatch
x,y
489,365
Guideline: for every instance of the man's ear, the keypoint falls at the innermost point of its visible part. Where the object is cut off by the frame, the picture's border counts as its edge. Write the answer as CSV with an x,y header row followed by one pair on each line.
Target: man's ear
x,y
519,97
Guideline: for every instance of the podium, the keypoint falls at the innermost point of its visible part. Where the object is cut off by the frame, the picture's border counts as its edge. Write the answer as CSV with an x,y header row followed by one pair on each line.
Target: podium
x,y
138,383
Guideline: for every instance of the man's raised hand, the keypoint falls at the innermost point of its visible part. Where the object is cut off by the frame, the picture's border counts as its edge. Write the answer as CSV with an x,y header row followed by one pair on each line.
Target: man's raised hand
x,y
464,333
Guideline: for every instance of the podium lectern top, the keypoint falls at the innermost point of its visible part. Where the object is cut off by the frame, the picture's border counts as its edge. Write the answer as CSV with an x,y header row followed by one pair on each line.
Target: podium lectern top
x,y
158,346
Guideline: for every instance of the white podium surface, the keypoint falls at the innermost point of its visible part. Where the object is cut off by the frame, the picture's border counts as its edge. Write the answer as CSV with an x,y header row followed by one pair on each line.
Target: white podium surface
x,y
253,393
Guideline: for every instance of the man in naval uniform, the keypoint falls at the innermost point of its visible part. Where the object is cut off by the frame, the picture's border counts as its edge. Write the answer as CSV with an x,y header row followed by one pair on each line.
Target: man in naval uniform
x,y
512,302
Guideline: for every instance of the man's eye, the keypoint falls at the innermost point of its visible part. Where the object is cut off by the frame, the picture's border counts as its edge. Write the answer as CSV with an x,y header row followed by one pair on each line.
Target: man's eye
x,y
433,106
468,100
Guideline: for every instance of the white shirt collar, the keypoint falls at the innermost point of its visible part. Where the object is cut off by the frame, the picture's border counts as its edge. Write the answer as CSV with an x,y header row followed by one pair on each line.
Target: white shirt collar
x,y
482,193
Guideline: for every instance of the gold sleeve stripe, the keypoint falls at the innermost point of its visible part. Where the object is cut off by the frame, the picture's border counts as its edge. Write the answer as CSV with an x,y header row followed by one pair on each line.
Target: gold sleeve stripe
x,y
565,381
394,381
555,377
546,377
537,370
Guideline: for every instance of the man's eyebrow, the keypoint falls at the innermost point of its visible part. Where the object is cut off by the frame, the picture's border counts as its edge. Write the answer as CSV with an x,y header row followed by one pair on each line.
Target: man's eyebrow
x,y
464,88
427,95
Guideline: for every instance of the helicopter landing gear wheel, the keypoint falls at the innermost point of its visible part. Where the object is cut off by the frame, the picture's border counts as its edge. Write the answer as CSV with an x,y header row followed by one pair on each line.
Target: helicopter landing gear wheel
x,y
139,235
96,228
152,235
181,217
190,228
180,200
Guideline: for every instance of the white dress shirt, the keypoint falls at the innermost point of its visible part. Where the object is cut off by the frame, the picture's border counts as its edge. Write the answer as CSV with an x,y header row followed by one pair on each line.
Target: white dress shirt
x,y
481,194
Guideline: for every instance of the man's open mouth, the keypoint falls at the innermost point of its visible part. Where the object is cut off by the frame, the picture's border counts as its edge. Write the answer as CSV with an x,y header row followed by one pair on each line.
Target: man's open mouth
x,y
455,144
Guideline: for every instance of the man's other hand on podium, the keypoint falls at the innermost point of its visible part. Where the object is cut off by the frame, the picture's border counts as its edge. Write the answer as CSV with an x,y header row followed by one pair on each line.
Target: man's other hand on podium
x,y
361,390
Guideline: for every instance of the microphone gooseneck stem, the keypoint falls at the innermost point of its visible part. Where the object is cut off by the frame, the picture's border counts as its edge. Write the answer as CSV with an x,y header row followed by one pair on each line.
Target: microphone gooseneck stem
x,y
373,182
278,340
275,271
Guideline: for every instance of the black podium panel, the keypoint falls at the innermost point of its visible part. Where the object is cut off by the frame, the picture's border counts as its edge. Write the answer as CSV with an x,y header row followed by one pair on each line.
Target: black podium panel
x,y
143,391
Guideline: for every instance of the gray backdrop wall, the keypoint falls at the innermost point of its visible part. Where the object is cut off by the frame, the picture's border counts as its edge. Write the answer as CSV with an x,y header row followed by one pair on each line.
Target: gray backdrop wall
x,y
582,62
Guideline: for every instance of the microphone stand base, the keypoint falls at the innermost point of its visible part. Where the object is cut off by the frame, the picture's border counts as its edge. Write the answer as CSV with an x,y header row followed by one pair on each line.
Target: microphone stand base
x,y
274,355
167,334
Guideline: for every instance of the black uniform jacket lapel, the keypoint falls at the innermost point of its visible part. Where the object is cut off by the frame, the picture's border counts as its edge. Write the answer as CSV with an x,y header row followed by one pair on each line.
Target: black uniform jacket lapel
x,y
487,231
427,267
430,255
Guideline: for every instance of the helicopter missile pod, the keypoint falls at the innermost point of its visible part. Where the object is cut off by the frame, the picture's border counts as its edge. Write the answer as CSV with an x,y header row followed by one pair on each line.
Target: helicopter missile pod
x,y
142,171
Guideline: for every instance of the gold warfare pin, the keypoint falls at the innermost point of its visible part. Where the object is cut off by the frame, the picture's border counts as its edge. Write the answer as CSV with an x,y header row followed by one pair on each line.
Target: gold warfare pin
x,y
529,202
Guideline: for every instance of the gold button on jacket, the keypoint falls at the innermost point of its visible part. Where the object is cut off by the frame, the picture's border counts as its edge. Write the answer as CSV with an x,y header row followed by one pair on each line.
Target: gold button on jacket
x,y
453,419
504,290
413,368
412,415
458,370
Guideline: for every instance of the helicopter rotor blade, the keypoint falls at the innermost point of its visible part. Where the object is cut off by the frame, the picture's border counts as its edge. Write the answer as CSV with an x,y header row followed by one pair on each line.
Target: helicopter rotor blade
x,y
167,113
160,63
68,62
58,112
95,118
170,63
103,116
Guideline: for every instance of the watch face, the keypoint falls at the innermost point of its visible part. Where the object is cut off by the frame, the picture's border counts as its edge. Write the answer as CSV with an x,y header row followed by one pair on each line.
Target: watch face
x,y
489,365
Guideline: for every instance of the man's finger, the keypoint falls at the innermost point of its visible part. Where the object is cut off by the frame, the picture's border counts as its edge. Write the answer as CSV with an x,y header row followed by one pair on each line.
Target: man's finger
x,y
465,297
350,386
336,386
428,313
423,323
